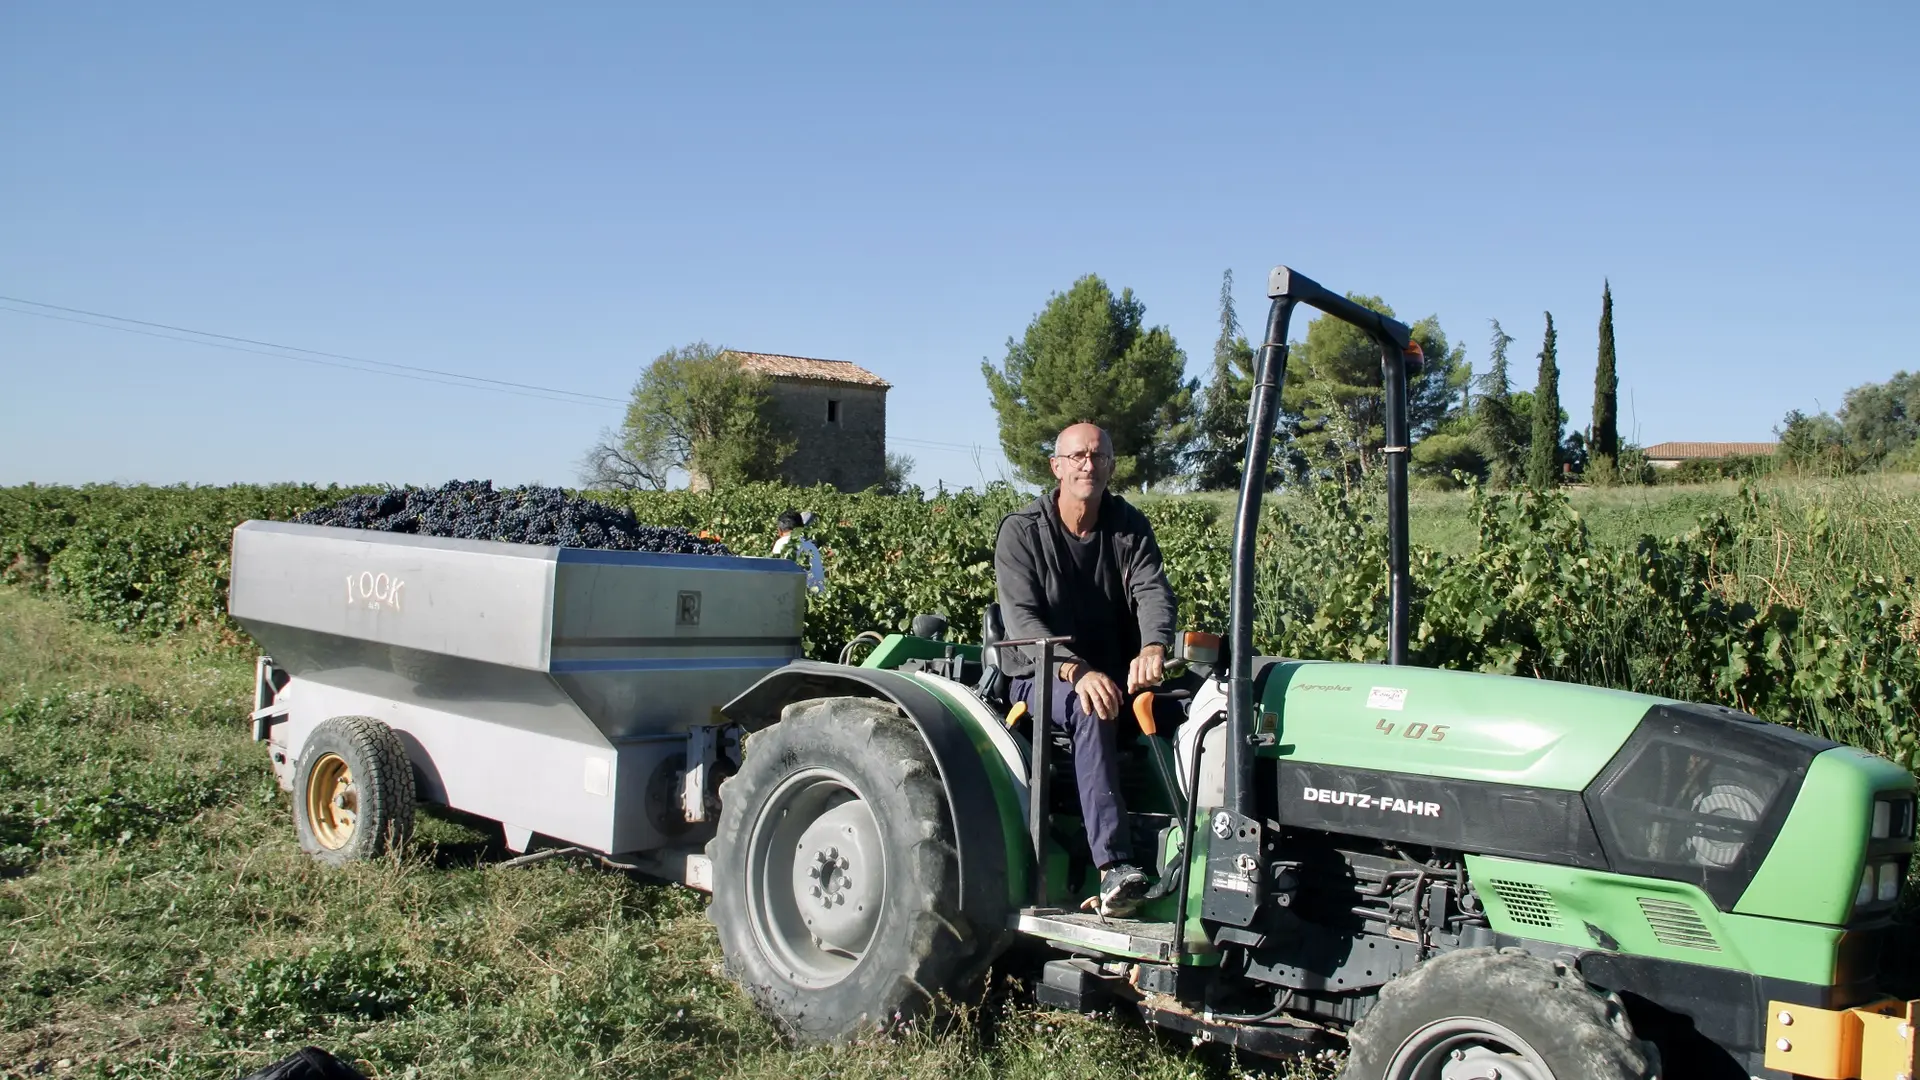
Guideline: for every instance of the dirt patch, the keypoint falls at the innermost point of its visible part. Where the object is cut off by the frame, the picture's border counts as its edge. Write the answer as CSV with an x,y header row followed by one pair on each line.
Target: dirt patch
x,y
81,1036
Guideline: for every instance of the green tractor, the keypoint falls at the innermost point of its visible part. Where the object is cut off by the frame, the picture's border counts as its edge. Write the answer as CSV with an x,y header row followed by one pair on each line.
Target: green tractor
x,y
1460,876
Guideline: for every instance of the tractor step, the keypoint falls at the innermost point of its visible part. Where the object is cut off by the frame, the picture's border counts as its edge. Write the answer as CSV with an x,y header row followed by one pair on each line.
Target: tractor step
x,y
1134,938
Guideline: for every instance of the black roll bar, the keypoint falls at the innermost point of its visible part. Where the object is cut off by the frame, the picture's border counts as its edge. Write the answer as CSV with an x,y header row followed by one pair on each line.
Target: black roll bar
x,y
1288,288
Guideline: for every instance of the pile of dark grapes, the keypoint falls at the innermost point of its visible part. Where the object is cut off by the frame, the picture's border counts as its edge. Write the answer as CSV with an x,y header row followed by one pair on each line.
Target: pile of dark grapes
x,y
473,510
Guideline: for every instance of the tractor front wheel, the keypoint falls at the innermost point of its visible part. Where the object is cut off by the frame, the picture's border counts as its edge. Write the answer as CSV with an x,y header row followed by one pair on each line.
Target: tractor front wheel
x,y
1496,1014
835,874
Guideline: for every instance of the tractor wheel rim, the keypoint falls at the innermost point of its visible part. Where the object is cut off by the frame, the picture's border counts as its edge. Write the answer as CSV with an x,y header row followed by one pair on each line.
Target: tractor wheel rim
x,y
1467,1048
816,877
333,803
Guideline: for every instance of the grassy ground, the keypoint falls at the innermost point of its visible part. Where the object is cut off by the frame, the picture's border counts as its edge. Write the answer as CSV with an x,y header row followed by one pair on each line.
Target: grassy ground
x,y
157,920
1883,510
1875,518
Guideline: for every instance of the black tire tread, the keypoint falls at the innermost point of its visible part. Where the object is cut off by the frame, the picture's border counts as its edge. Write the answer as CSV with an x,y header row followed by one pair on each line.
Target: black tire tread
x,y
938,948
1591,1025
383,776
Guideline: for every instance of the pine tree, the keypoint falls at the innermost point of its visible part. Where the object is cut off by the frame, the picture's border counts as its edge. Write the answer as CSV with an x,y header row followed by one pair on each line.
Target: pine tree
x,y
1333,388
1220,452
1089,356
1496,426
1605,440
1543,456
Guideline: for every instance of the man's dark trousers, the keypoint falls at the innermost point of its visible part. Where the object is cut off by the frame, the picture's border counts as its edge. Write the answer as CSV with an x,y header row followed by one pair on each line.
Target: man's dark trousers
x,y
1096,766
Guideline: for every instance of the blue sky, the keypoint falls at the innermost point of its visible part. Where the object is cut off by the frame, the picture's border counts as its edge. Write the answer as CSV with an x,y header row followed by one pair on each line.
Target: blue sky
x,y
554,194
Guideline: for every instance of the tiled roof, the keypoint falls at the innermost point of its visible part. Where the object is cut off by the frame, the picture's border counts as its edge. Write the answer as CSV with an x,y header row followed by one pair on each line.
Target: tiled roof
x,y
1681,451
806,367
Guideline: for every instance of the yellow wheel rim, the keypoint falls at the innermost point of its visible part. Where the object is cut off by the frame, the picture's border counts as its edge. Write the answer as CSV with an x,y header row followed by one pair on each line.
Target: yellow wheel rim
x,y
333,806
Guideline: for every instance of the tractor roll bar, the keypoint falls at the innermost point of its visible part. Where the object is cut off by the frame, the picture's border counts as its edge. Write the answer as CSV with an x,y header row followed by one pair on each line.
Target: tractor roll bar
x,y
1287,289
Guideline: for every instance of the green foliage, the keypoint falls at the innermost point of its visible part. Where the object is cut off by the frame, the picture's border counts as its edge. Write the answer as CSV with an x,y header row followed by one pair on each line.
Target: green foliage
x,y
1333,385
1606,390
1443,454
149,560
1088,356
1707,470
1814,445
105,798
1878,428
1220,450
1702,615
1882,420
298,994
695,410
1543,450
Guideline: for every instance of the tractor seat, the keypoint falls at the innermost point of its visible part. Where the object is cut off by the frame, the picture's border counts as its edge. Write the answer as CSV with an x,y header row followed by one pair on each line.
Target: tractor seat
x,y
993,685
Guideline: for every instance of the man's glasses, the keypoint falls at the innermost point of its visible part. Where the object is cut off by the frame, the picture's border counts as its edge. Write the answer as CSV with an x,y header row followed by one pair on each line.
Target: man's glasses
x,y
1084,458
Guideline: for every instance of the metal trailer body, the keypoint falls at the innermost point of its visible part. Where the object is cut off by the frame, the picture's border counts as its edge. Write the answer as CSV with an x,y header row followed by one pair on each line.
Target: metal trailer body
x,y
561,691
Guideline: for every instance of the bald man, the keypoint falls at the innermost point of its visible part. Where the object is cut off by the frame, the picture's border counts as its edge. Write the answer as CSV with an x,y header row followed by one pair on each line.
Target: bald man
x,y
1080,562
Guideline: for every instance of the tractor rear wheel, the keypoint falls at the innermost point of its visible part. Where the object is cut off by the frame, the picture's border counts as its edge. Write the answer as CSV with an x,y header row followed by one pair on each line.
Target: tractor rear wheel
x,y
835,874
1482,1014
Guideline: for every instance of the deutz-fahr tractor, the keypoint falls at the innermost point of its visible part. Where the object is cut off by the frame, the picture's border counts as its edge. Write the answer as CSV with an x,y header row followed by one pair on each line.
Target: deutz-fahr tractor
x,y
1460,876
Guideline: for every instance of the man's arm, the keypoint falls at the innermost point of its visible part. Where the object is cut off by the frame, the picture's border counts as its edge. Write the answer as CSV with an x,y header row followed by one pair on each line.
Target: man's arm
x,y
1153,601
1153,606
1023,596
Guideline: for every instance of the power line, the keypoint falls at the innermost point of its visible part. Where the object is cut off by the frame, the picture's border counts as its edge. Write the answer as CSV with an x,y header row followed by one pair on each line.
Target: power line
x,y
364,365
371,367
973,447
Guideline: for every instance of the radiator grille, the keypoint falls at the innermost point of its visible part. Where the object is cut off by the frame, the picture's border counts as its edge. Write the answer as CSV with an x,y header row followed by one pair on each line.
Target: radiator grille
x,y
1529,905
1678,925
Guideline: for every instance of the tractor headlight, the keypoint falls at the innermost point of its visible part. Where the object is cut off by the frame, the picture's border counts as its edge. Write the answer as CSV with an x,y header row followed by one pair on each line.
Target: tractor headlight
x,y
1880,884
1892,818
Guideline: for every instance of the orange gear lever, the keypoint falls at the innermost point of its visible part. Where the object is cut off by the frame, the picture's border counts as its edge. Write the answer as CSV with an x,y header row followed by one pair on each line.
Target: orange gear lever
x,y
1143,712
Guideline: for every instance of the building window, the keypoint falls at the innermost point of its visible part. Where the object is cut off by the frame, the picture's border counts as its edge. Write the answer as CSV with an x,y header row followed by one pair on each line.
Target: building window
x,y
833,410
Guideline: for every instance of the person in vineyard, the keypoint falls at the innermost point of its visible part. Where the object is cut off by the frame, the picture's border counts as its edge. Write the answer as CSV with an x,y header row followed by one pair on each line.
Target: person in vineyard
x,y
1081,562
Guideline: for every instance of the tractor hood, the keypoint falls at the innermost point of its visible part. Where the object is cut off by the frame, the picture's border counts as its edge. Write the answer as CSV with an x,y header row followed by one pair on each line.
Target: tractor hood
x,y
1586,777
1452,724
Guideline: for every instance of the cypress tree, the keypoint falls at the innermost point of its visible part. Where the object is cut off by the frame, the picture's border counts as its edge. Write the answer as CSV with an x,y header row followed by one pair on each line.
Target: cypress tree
x,y
1496,427
1606,388
1543,457
1221,449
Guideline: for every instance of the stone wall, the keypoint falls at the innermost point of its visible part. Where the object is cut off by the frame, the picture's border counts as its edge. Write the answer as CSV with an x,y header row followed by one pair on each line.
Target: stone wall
x,y
840,431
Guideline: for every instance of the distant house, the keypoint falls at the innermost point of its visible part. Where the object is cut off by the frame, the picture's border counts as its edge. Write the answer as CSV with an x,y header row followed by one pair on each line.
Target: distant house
x,y
1666,455
836,413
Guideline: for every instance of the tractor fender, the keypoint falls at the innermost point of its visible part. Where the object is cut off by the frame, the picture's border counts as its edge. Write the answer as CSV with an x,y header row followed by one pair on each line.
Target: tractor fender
x,y
963,776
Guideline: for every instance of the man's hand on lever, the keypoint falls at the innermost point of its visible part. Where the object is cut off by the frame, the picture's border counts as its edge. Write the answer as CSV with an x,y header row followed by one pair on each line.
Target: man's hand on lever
x,y
1147,669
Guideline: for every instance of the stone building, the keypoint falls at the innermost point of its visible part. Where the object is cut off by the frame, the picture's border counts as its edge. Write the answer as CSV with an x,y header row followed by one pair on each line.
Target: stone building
x,y
835,412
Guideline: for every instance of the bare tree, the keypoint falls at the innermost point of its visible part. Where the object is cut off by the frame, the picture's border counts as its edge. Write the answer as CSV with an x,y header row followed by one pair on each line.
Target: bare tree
x,y
608,466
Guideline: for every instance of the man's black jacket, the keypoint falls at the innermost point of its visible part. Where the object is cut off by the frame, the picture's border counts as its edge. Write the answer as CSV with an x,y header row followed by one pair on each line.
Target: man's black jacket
x,y
1034,573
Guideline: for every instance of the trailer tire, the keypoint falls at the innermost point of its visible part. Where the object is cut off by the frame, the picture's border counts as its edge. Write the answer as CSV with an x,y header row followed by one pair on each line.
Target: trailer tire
x,y
1531,1019
835,941
353,793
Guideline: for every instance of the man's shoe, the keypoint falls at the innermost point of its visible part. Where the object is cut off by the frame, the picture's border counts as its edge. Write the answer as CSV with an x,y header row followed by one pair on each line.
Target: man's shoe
x,y
1122,888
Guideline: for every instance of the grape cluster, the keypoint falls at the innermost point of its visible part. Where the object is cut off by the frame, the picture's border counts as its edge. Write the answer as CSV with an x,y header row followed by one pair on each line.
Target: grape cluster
x,y
473,510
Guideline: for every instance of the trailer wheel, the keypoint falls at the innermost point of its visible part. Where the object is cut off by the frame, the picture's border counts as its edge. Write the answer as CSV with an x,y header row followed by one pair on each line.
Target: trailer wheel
x,y
353,795
1478,1014
835,874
